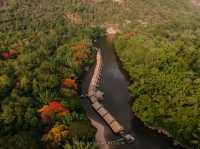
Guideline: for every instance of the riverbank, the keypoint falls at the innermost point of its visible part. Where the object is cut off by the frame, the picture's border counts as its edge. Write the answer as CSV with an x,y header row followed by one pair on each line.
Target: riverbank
x,y
100,135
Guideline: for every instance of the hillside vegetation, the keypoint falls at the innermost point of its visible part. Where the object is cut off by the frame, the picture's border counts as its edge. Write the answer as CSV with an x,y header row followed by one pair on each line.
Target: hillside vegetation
x,y
162,61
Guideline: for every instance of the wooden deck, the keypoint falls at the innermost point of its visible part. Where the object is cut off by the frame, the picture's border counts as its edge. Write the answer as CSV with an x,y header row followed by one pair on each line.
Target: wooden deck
x,y
97,106
116,127
109,119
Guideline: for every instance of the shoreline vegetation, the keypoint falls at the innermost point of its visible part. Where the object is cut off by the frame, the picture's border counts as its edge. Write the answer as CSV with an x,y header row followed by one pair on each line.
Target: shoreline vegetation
x,y
159,130
162,62
163,71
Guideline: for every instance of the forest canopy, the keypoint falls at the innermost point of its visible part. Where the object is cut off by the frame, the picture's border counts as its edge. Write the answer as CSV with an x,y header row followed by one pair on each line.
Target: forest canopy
x,y
45,44
162,62
41,57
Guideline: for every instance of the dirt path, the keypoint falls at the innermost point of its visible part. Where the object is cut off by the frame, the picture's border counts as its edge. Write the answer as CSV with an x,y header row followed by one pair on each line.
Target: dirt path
x,y
196,2
100,138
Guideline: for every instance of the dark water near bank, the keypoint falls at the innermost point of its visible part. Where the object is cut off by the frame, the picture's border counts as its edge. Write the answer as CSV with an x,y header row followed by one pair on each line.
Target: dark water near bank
x,y
117,101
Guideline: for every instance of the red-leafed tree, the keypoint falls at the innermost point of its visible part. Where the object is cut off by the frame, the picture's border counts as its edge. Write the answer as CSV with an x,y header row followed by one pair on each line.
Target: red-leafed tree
x,y
8,54
54,107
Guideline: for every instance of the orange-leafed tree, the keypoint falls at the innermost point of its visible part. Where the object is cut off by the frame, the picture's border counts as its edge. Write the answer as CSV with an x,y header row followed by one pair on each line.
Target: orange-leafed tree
x,y
81,50
70,83
54,107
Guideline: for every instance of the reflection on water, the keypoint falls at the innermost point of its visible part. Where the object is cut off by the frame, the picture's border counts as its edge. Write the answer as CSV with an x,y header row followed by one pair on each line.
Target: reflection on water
x,y
117,99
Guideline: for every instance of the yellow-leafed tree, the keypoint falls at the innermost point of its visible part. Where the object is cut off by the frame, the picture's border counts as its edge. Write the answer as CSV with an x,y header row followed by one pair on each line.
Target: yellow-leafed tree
x,y
56,134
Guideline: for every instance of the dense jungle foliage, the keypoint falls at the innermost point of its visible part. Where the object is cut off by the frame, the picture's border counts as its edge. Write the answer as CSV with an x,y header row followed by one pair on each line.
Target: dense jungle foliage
x,y
41,56
162,61
44,44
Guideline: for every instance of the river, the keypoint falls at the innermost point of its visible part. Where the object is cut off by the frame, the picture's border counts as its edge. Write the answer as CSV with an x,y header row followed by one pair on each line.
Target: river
x,y
117,101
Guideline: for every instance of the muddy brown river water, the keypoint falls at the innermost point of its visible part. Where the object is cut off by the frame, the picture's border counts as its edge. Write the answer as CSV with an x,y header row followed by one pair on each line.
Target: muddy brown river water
x,y
117,101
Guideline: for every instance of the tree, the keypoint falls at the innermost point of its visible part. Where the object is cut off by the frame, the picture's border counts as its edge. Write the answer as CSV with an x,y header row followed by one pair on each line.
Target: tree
x,y
5,85
56,134
19,114
47,111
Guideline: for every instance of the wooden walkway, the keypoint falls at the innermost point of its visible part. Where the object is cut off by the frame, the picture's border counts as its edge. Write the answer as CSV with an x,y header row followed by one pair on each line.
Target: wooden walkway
x,y
116,127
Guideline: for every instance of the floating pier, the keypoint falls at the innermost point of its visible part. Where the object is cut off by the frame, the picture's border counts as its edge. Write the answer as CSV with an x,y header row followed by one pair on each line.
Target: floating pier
x,y
116,127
